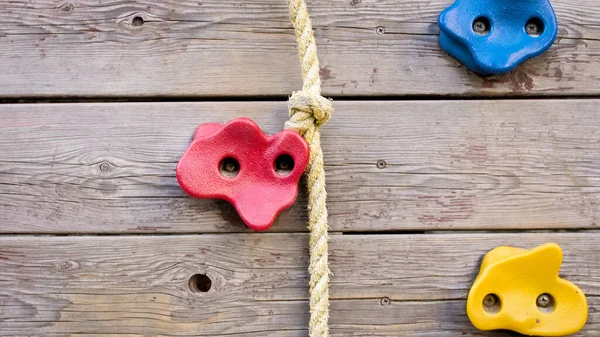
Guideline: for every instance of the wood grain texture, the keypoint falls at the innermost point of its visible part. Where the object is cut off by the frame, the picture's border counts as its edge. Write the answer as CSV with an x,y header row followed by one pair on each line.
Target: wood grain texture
x,y
227,48
138,285
109,168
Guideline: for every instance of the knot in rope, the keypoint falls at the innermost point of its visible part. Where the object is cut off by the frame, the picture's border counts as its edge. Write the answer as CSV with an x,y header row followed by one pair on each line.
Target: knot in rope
x,y
308,110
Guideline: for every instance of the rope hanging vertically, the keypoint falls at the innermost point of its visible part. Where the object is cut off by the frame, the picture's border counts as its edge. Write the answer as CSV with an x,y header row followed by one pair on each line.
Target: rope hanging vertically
x,y
308,111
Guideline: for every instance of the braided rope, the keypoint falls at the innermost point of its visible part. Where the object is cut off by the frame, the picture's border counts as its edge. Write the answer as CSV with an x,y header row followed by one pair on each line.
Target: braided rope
x,y
308,111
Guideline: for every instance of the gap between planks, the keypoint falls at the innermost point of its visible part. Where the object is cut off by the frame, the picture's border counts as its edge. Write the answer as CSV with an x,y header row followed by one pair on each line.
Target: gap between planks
x,y
277,98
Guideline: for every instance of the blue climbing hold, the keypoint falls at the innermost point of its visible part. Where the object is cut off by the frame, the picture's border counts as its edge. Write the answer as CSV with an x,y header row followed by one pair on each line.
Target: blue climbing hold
x,y
494,36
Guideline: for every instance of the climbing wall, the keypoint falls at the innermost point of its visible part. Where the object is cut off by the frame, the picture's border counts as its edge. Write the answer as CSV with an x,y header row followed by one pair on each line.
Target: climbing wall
x,y
428,167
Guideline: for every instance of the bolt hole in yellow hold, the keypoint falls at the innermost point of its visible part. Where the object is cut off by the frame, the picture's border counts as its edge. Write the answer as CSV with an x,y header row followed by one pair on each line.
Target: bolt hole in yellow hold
x,y
545,303
520,290
492,304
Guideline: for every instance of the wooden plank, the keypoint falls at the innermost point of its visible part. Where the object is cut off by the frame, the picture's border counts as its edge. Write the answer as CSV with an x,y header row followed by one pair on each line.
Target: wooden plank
x,y
138,285
109,168
217,48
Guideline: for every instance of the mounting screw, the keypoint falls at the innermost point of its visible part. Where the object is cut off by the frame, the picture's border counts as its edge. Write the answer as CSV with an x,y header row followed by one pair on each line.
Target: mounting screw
x,y
104,167
544,301
386,301
381,164
284,164
380,30
490,300
534,27
481,26
230,167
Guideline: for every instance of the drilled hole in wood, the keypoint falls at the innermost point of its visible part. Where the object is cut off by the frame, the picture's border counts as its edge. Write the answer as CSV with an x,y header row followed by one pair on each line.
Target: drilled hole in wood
x,y
200,283
137,21
284,164
229,167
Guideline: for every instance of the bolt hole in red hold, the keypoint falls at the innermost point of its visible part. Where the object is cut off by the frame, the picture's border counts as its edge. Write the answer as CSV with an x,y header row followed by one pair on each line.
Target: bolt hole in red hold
x,y
284,165
230,167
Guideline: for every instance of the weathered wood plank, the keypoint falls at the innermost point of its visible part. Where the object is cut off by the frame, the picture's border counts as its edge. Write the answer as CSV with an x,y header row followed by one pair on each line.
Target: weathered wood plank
x,y
221,48
450,165
138,285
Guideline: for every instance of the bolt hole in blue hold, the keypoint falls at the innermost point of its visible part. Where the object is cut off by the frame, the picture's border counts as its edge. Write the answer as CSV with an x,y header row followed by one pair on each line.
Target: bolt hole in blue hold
x,y
494,36
482,26
534,27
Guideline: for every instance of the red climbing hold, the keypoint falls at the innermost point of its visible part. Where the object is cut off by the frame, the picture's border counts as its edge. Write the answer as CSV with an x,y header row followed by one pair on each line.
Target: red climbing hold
x,y
237,162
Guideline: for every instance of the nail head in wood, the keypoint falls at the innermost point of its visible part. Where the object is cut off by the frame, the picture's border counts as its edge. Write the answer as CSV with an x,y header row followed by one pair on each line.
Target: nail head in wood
x,y
104,167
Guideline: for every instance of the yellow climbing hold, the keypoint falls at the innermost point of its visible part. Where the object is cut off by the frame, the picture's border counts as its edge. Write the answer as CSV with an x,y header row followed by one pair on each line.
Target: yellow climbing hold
x,y
520,290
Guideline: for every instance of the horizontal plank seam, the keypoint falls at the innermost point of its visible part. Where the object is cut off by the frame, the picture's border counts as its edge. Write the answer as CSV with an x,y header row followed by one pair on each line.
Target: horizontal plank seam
x,y
514,96
280,30
344,233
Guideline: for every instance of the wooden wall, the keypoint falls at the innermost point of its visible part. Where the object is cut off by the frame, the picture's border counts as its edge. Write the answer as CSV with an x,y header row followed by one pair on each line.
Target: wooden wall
x,y
428,167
